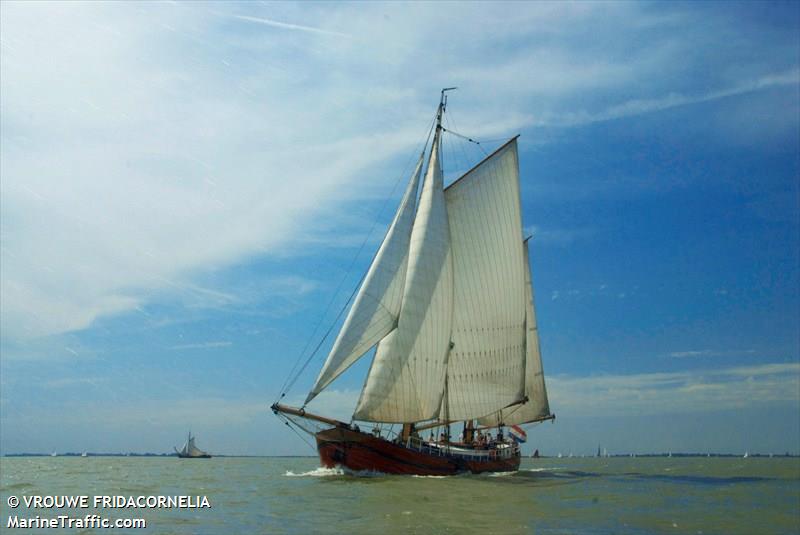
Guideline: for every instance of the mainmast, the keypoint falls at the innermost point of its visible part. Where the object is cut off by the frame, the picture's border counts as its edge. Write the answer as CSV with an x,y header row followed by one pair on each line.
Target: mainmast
x,y
442,108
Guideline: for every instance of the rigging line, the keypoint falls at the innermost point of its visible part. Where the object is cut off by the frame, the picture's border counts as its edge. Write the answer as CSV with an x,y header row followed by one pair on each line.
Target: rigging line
x,y
465,164
478,143
452,121
292,378
289,425
335,321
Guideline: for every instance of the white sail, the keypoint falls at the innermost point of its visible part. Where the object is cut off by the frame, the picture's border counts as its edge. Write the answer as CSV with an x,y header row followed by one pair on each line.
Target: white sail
x,y
406,380
190,450
193,450
537,406
485,368
376,307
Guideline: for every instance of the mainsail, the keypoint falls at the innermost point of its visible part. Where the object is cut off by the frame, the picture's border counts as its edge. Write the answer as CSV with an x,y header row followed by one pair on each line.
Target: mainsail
x,y
377,305
487,361
537,407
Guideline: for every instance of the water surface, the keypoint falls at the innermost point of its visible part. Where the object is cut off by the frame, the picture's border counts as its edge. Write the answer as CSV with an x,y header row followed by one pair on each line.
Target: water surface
x,y
293,495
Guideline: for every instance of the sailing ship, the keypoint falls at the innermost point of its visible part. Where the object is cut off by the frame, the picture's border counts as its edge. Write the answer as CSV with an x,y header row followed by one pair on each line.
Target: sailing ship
x,y
190,451
447,304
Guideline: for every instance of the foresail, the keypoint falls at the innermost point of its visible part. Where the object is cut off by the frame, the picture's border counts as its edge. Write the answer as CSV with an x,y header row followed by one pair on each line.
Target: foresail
x,y
406,380
485,369
377,305
537,406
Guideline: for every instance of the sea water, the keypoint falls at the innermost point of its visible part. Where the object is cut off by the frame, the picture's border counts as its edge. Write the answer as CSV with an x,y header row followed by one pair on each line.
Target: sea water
x,y
294,495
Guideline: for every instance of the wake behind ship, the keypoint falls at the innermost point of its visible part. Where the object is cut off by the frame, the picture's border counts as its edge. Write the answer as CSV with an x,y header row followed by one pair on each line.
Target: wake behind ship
x,y
447,303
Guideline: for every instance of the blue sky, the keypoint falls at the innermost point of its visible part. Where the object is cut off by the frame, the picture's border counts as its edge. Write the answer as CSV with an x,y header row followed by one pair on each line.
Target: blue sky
x,y
184,188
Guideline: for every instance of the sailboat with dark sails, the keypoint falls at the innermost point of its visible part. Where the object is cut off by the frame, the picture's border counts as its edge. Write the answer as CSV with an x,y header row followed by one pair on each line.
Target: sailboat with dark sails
x,y
447,303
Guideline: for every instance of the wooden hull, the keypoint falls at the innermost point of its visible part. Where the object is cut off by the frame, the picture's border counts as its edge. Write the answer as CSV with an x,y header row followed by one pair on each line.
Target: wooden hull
x,y
194,456
363,452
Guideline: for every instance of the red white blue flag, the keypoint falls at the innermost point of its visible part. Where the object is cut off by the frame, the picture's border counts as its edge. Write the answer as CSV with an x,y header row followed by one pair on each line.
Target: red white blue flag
x,y
518,433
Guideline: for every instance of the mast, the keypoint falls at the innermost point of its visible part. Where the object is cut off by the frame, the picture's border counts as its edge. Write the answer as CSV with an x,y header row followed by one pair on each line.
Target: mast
x,y
446,404
442,108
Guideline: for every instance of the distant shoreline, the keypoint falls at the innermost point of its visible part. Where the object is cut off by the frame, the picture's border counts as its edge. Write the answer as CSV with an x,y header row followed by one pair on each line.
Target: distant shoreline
x,y
72,454
563,457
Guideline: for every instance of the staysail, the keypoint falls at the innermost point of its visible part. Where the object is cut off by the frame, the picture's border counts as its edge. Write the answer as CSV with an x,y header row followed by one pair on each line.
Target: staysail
x,y
405,382
537,406
485,369
376,307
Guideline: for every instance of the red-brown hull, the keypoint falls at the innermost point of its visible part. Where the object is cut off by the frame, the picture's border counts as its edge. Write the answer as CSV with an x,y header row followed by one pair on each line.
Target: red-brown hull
x,y
360,451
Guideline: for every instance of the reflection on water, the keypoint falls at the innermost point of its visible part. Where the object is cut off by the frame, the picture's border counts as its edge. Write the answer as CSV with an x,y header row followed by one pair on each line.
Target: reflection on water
x,y
294,495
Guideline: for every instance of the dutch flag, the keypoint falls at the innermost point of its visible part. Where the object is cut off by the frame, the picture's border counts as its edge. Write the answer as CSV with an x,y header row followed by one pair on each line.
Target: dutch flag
x,y
518,433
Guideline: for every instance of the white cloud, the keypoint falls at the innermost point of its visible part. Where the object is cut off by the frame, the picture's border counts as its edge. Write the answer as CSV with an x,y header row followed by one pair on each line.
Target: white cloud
x,y
162,140
289,26
648,105
711,353
673,392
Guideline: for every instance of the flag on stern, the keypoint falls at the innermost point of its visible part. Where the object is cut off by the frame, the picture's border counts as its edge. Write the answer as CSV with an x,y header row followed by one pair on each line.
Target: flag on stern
x,y
518,433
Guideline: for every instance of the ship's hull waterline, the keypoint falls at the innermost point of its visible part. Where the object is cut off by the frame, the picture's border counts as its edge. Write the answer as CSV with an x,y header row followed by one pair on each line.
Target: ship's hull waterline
x,y
357,451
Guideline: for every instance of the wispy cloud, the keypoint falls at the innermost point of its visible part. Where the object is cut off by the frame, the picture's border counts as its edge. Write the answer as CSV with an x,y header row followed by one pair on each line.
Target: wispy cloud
x,y
675,392
288,26
641,106
225,144
203,345
79,382
711,353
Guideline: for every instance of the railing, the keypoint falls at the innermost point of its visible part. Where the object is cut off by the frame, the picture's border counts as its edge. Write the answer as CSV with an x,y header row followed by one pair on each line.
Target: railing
x,y
502,450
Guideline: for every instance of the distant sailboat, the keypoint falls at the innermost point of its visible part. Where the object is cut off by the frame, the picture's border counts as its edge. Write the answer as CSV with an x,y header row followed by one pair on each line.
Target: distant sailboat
x,y
746,455
190,451
448,304
54,454
84,454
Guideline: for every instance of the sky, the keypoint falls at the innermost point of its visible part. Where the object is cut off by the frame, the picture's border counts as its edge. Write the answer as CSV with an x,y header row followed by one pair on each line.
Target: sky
x,y
189,192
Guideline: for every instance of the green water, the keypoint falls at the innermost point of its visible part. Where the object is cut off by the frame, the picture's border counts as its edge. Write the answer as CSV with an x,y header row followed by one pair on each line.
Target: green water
x,y
580,496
